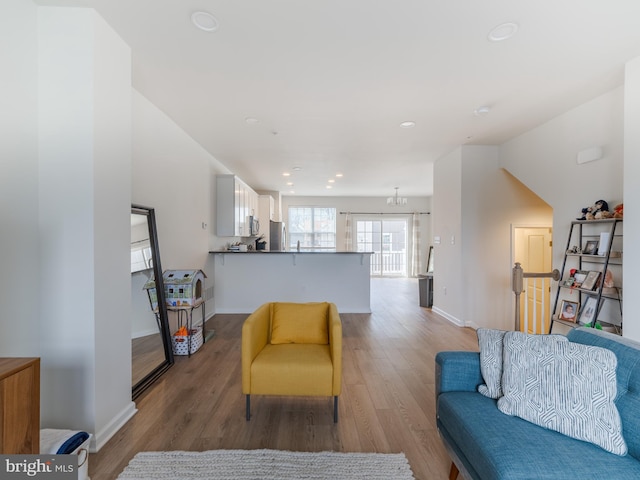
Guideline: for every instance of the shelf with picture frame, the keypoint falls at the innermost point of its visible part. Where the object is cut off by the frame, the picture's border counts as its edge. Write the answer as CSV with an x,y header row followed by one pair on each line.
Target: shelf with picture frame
x,y
591,276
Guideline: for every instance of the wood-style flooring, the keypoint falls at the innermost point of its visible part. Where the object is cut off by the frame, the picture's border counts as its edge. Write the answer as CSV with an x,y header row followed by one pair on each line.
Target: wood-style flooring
x,y
387,403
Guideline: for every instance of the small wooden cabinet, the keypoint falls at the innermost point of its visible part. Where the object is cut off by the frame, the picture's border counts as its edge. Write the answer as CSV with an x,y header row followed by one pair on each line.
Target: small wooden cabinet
x,y
19,406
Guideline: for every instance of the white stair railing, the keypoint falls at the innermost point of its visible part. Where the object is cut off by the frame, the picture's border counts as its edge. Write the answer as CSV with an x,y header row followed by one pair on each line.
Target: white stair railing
x,y
527,317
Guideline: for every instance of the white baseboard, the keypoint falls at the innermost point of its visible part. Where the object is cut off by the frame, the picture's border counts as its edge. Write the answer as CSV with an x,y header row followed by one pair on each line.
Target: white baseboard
x,y
103,436
451,318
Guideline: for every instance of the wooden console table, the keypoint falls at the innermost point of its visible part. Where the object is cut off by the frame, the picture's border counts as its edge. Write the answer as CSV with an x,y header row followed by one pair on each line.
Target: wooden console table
x,y
19,406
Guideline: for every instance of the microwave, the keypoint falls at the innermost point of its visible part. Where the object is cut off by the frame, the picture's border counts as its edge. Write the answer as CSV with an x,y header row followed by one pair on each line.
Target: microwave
x,y
254,226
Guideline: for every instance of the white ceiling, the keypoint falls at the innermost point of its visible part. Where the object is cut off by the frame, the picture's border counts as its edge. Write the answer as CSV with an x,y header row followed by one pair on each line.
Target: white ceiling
x,y
329,81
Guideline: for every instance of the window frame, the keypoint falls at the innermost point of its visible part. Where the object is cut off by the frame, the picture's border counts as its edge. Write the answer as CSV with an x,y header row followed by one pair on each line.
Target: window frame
x,y
309,242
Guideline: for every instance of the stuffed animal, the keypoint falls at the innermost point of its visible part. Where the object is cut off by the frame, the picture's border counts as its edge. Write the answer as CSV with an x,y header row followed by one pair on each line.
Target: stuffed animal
x,y
598,210
617,211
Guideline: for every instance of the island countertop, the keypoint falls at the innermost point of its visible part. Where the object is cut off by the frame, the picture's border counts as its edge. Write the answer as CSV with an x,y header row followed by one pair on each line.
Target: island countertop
x,y
244,282
292,252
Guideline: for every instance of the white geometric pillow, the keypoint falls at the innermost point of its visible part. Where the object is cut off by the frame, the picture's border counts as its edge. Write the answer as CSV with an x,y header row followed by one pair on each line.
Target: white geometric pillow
x,y
490,343
563,386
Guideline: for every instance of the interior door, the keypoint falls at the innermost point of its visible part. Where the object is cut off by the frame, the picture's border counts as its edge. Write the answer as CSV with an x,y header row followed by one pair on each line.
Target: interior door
x,y
533,250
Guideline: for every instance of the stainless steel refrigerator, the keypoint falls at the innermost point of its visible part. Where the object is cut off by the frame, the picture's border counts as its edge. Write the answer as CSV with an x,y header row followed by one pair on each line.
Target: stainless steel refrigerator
x,y
277,236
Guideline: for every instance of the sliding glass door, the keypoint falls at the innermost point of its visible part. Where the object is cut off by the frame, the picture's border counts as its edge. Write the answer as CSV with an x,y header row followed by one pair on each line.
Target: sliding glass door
x,y
387,239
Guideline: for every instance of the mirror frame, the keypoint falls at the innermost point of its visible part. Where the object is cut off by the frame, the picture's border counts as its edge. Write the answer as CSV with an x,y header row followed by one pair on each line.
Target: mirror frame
x,y
162,314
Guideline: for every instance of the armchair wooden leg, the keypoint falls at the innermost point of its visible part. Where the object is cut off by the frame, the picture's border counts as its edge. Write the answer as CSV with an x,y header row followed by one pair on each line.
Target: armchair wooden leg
x,y
248,407
453,473
335,409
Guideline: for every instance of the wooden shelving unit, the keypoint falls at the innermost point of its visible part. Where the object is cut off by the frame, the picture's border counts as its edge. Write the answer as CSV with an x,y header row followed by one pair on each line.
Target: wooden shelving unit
x,y
607,299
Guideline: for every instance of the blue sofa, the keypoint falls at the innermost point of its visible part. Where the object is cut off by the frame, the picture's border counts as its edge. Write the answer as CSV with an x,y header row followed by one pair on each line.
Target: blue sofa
x,y
485,444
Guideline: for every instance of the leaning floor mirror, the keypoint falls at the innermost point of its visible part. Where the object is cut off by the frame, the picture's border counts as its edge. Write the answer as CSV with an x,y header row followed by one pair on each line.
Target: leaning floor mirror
x,y
151,353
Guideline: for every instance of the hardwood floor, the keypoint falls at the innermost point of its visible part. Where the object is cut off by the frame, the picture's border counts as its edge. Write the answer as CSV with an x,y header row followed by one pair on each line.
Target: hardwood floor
x,y
387,403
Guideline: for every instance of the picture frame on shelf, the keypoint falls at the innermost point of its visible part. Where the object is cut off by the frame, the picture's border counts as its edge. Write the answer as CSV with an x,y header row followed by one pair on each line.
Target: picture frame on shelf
x,y
589,312
591,281
604,243
569,311
579,276
590,248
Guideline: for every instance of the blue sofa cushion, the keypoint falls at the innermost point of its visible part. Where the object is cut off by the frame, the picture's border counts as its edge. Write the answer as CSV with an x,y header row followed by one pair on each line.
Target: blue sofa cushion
x,y
563,386
495,446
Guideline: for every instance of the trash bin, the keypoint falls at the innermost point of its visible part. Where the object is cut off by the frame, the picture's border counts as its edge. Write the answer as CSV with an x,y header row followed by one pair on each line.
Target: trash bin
x,y
70,442
425,285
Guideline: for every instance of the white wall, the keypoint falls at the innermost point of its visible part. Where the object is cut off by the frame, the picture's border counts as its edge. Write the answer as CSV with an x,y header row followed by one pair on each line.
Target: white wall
x,y
372,205
544,159
476,203
492,202
448,291
84,140
631,199
19,283
173,174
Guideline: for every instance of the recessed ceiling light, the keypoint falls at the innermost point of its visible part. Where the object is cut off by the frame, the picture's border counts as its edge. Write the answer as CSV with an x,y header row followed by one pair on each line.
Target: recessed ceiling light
x,y
338,175
292,192
503,32
289,184
332,180
296,169
329,187
251,120
205,21
286,174
408,124
481,111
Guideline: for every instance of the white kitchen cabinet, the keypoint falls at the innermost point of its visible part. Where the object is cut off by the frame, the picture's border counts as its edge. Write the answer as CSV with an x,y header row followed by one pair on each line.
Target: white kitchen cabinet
x,y
266,210
235,203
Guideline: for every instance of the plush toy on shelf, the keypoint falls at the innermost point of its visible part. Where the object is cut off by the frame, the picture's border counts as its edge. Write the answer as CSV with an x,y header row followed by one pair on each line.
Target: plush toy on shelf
x,y
618,211
596,211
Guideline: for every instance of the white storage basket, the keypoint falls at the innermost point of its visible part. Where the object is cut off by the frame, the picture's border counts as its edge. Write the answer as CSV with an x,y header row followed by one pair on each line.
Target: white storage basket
x,y
180,343
51,440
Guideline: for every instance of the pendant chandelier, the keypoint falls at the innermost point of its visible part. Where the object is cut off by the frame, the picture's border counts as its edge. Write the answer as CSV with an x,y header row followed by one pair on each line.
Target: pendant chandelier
x,y
396,201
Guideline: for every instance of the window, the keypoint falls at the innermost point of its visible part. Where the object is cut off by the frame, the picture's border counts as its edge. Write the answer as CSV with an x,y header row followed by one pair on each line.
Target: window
x,y
141,258
313,227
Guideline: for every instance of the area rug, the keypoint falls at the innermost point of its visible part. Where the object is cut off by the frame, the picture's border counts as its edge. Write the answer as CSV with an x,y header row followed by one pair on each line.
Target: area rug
x,y
266,465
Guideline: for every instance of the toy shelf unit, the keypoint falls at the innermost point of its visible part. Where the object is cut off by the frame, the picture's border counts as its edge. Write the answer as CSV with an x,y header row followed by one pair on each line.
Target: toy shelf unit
x,y
184,293
590,286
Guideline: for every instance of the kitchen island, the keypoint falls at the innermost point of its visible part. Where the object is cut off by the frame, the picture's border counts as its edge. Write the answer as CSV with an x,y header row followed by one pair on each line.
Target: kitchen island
x,y
245,280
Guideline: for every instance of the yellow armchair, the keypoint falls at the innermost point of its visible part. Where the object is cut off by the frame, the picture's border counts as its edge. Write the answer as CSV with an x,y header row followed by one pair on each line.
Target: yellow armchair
x,y
292,349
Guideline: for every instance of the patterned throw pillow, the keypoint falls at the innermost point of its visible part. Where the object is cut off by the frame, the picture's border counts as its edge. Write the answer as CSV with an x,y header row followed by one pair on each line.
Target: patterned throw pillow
x,y
563,386
490,343
491,346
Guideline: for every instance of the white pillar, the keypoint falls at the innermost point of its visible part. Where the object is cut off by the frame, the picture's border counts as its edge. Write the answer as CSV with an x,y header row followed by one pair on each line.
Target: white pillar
x,y
84,135
631,321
